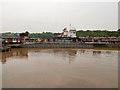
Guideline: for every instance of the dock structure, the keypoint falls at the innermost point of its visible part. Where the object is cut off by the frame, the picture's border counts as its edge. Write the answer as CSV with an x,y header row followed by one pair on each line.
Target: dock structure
x,y
14,45
5,49
3,46
70,45
57,45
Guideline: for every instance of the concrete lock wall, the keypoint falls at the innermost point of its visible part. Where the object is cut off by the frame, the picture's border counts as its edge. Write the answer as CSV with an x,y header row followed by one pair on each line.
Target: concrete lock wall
x,y
68,45
58,45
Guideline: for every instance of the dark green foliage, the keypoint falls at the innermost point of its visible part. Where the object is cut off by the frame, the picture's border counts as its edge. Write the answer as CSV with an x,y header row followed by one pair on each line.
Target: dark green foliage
x,y
41,35
97,33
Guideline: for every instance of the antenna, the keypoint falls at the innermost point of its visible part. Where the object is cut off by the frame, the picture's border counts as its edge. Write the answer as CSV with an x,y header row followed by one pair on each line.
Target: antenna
x,y
70,27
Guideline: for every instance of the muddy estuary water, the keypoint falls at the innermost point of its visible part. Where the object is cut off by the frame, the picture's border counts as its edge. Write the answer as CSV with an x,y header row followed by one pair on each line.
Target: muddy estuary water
x,y
59,68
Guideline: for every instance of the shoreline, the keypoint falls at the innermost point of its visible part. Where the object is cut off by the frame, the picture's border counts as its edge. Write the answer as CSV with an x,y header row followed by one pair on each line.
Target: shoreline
x,y
101,48
67,46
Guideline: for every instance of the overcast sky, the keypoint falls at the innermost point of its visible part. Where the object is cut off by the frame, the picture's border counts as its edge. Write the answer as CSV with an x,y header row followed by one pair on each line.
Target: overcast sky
x,y
53,16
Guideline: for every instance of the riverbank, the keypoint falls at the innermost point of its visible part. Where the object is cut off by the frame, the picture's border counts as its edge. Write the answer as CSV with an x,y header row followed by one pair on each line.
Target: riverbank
x,y
72,45
95,48
99,46
58,45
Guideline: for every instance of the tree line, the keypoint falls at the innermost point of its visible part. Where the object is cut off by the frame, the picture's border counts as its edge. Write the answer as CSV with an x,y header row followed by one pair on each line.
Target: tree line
x,y
98,33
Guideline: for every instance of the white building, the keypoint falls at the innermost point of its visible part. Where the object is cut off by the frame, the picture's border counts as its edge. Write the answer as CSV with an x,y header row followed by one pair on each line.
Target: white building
x,y
69,32
72,32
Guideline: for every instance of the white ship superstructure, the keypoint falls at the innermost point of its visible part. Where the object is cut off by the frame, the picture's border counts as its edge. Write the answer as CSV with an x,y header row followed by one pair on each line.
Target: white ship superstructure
x,y
68,32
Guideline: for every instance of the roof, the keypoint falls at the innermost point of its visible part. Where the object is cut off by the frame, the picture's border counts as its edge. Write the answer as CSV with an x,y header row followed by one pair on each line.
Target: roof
x,y
6,35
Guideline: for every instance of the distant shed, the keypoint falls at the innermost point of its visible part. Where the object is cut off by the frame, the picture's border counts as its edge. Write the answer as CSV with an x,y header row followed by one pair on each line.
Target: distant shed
x,y
12,39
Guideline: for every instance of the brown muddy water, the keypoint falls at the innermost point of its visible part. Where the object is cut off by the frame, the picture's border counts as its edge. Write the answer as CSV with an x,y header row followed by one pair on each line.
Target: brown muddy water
x,y
59,68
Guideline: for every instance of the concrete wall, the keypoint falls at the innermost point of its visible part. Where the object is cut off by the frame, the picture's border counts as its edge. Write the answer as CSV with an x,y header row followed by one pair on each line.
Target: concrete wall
x,y
58,45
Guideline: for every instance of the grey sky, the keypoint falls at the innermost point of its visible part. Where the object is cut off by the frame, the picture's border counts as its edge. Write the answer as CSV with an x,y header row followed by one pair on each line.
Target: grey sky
x,y
54,16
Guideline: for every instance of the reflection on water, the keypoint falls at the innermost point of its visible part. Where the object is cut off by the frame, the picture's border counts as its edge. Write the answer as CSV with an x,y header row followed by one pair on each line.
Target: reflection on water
x,y
22,53
70,54
65,68
96,52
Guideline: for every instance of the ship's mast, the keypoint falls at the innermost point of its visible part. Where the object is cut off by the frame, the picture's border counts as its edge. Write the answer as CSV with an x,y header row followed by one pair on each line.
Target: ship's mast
x,y
69,28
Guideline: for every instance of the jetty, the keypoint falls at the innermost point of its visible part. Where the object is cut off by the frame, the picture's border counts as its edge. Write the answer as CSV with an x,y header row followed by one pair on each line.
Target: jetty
x,y
5,49
58,45
3,46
